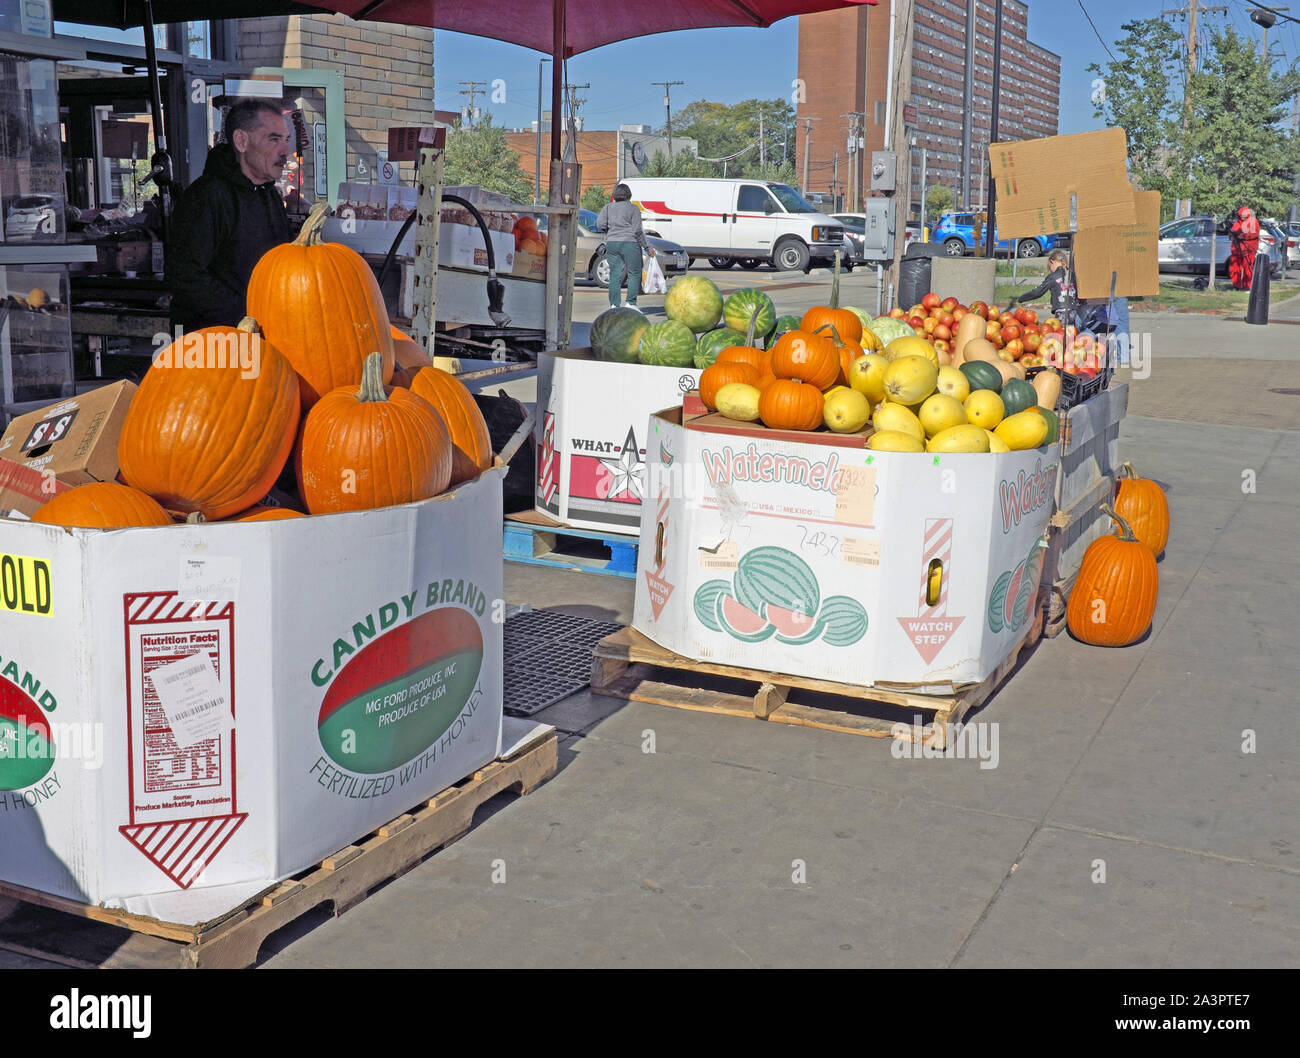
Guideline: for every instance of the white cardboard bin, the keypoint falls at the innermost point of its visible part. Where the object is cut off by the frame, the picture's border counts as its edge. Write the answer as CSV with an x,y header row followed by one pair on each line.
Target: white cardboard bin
x,y
358,654
590,434
830,561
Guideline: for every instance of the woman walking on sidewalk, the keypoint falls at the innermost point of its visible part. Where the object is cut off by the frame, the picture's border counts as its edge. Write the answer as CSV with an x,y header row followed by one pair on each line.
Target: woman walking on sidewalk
x,y
624,241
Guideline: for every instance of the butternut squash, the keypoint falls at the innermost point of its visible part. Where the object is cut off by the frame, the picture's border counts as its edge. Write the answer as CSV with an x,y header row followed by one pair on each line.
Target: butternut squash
x,y
1047,384
979,349
971,326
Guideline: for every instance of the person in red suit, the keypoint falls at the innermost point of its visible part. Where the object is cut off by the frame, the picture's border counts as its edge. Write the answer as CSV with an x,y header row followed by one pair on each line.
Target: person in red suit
x,y
1245,244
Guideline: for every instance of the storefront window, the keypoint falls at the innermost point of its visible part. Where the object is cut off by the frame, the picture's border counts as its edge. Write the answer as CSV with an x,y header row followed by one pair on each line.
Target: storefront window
x,y
198,40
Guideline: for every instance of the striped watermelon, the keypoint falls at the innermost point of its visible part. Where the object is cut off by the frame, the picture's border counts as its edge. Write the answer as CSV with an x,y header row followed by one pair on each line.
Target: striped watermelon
x,y
843,620
783,324
711,343
695,301
739,308
667,344
997,602
706,603
777,576
616,335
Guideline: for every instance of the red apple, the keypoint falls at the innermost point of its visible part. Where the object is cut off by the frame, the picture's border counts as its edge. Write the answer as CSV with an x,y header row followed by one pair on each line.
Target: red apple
x,y
1052,324
950,303
1010,331
959,312
942,333
930,300
1033,328
930,324
1007,317
948,319
992,329
1033,341
1016,348
941,346
916,322
1027,316
897,313
981,308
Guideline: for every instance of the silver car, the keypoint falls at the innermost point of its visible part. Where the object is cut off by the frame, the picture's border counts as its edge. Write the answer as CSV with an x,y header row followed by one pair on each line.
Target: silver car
x,y
591,258
30,217
1184,246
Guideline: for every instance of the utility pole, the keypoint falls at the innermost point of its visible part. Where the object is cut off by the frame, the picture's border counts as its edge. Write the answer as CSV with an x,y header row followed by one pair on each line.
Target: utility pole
x,y
472,91
574,103
835,177
762,143
990,226
904,27
1191,11
537,192
857,123
967,106
807,142
667,87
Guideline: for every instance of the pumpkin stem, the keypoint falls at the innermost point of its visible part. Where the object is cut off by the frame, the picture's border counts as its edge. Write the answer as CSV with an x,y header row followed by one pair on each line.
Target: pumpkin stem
x,y
1126,531
372,380
311,229
835,334
753,325
195,518
248,325
1127,471
835,283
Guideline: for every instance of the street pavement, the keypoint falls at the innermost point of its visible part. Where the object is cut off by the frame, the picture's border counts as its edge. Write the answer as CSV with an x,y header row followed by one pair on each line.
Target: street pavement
x,y
1141,813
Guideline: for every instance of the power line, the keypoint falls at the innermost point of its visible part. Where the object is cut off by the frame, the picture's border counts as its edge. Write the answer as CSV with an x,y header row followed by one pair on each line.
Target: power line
x,y
1094,29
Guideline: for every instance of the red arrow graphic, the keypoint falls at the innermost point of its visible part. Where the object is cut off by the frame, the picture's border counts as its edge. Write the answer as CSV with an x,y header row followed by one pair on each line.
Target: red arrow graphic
x,y
932,628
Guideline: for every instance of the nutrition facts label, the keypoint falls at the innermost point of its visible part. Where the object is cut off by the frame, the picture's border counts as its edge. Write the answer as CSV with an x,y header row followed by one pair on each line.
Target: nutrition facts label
x,y
168,765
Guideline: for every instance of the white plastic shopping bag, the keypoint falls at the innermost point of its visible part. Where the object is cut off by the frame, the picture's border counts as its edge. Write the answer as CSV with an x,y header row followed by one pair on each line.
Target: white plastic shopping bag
x,y
652,278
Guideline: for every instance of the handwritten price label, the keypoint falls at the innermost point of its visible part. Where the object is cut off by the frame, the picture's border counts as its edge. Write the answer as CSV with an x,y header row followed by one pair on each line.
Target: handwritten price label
x,y
855,495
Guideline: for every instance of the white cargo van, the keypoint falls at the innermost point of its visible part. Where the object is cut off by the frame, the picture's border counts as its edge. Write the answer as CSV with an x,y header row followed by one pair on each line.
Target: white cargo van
x,y
737,220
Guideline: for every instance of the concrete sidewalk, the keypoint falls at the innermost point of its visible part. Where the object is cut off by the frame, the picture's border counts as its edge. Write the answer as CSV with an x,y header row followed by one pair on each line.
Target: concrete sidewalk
x,y
1123,765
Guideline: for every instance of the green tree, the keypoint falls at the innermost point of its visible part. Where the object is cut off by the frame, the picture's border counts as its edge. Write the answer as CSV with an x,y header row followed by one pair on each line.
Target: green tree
x,y
1238,145
938,201
1140,94
480,157
684,163
594,198
765,126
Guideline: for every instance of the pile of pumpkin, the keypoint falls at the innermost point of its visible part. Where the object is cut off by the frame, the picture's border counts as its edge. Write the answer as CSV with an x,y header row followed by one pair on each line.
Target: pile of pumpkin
x,y
527,238
366,418
835,372
1114,597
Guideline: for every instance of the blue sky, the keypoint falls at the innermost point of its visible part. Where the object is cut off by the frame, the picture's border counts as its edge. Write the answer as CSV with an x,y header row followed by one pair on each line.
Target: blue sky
x,y
728,65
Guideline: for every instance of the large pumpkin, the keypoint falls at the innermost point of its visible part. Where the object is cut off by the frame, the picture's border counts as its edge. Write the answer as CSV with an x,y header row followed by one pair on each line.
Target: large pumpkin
x,y
788,404
366,447
209,438
319,304
1114,596
470,440
102,505
811,358
1143,505
843,320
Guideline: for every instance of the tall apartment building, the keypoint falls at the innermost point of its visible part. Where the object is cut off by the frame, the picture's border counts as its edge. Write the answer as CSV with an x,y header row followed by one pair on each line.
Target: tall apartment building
x,y
844,62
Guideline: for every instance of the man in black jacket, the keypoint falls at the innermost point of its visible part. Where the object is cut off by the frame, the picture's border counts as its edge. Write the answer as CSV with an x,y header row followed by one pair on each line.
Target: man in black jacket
x,y
228,218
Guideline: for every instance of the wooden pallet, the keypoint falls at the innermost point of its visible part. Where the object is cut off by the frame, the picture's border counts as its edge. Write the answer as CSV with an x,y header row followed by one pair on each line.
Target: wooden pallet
x,y
541,541
341,881
628,665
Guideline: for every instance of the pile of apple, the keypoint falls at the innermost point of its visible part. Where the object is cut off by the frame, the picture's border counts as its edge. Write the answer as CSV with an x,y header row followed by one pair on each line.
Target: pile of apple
x,y
1017,336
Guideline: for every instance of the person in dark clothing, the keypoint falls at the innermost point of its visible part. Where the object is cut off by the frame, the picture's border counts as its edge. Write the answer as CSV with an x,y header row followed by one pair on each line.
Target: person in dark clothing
x,y
1060,284
228,218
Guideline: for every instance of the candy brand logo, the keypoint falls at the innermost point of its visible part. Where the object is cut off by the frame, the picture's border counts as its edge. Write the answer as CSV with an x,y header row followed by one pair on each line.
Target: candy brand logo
x,y
26,742
747,465
1027,493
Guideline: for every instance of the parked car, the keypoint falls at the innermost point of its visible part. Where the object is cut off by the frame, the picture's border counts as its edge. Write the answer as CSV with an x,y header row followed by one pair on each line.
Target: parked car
x,y
1184,246
591,258
855,236
955,232
1272,232
746,221
30,216
1292,242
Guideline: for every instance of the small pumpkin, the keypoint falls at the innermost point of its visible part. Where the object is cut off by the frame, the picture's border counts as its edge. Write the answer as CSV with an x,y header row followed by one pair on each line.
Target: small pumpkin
x,y
266,514
789,404
759,359
1115,593
843,320
809,357
367,447
715,376
209,438
471,442
102,505
320,305
1143,503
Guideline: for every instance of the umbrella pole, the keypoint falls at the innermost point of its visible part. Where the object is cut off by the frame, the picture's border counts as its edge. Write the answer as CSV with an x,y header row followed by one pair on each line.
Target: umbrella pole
x,y
160,165
557,77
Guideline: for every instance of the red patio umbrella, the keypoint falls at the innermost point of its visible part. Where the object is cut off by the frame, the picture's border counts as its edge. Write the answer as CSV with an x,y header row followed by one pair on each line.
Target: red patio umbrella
x,y
563,28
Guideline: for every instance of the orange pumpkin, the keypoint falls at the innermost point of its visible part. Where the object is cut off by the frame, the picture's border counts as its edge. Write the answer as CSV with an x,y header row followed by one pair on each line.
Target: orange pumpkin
x,y
1142,503
471,442
848,353
788,404
759,359
267,514
320,305
535,245
407,352
102,505
404,376
1115,593
811,358
204,437
716,375
765,380
368,447
844,321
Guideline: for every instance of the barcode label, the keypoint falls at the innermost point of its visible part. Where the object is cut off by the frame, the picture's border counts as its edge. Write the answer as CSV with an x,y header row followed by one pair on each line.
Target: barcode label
x,y
193,700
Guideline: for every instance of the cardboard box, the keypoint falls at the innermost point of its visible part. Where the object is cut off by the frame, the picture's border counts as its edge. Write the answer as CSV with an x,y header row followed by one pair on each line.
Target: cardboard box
x,y
76,439
462,246
26,490
815,558
530,265
1035,179
357,655
1130,251
590,435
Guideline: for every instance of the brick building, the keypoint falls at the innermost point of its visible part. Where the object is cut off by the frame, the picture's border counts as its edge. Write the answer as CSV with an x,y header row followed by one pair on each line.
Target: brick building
x,y
844,62
606,157
387,76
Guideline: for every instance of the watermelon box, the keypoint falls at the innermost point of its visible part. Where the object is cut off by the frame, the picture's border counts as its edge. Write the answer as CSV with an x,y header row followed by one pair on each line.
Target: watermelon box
x,y
590,436
189,714
830,561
